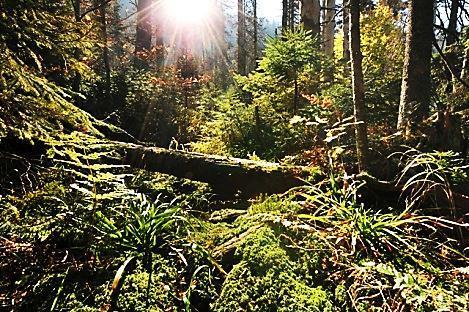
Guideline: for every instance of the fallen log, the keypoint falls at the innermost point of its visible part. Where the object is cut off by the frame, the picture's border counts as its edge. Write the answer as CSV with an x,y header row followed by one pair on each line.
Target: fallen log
x,y
226,175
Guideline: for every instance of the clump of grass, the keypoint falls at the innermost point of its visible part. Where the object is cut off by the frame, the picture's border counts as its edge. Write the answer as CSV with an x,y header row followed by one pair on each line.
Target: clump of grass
x,y
425,174
141,228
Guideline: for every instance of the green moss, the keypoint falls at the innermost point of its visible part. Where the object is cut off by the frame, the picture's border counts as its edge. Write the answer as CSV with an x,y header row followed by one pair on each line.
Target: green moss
x,y
267,278
162,292
212,235
262,252
275,204
341,294
134,294
244,290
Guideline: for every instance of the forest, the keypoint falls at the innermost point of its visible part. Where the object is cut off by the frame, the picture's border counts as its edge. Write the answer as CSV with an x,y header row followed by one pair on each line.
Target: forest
x,y
239,155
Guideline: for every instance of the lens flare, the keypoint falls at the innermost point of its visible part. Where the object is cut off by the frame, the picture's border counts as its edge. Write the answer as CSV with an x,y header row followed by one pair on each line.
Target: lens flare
x,y
189,12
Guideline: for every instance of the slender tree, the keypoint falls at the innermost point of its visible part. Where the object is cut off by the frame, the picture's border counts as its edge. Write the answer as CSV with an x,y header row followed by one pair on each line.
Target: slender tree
x,y
451,38
256,32
416,81
293,8
77,12
346,33
144,26
329,28
358,86
311,16
242,59
453,35
285,12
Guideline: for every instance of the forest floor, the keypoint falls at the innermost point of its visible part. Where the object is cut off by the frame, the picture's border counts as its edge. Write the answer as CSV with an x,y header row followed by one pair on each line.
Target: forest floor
x,y
133,240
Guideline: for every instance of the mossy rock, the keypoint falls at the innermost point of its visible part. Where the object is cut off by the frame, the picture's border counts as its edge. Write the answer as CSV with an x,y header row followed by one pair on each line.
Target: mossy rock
x,y
244,290
134,297
267,278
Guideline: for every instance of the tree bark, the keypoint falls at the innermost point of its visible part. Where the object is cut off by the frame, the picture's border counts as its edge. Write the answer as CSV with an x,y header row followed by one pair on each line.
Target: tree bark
x,y
329,27
452,36
285,12
227,176
241,38
77,79
311,16
144,33
328,34
104,38
358,87
292,16
160,48
346,33
416,81
256,34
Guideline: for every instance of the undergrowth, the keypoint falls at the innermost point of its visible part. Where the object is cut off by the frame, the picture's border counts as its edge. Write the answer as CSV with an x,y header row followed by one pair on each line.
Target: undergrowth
x,y
95,235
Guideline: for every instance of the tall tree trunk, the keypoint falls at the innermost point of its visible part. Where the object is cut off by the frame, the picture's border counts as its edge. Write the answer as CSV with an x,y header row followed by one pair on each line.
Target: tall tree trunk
x,y
115,31
452,36
292,16
241,38
104,38
451,39
285,12
328,33
256,34
329,27
144,33
311,16
346,33
77,79
358,86
416,81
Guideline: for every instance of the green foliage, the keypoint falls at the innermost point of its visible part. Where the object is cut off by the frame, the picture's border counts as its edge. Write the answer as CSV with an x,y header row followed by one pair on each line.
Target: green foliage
x,y
37,55
264,128
149,109
318,248
257,118
382,45
288,56
139,226
274,291
383,58
288,60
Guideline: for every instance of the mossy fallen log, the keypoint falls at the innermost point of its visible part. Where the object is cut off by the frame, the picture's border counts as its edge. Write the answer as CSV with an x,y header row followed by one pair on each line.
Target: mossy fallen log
x,y
226,175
